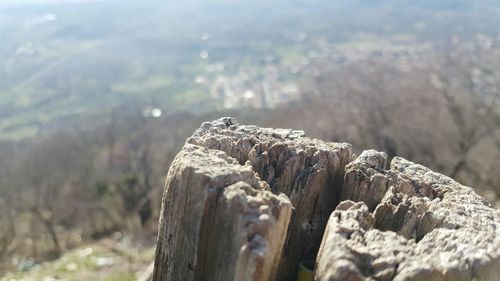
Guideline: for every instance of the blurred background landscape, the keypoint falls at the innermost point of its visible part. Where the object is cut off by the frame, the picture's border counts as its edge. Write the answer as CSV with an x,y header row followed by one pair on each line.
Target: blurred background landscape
x,y
97,97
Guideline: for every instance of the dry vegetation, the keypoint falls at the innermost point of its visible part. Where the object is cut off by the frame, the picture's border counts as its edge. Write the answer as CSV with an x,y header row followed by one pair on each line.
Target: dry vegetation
x,y
104,174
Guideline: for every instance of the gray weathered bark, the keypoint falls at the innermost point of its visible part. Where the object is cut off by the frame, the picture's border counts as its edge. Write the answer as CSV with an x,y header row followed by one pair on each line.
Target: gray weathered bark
x,y
410,224
219,221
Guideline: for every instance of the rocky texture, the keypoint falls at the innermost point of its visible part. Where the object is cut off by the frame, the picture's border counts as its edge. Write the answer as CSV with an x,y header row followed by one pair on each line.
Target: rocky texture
x,y
226,207
409,223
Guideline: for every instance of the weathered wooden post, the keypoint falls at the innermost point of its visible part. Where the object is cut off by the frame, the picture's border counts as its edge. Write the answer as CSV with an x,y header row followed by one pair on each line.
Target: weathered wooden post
x,y
227,206
244,203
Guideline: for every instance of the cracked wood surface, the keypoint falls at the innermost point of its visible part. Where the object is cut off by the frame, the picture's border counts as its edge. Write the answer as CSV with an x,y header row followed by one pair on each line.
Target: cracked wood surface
x,y
409,223
194,229
248,203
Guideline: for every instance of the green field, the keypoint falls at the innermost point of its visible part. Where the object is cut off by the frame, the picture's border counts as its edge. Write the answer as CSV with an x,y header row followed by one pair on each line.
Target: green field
x,y
61,59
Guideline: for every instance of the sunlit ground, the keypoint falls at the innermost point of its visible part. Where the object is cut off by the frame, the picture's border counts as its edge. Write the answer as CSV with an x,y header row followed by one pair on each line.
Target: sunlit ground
x,y
106,260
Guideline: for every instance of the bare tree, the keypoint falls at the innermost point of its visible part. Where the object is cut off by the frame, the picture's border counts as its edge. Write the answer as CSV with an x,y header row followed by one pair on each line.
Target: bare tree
x,y
470,88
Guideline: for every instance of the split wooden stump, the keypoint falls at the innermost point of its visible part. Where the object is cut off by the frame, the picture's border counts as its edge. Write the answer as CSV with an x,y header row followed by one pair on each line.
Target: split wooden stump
x,y
248,203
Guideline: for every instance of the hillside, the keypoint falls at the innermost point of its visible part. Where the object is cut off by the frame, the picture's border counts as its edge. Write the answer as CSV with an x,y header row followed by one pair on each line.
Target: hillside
x,y
97,97
66,59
